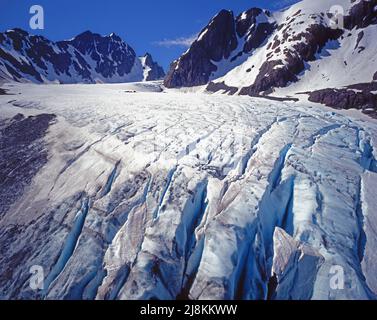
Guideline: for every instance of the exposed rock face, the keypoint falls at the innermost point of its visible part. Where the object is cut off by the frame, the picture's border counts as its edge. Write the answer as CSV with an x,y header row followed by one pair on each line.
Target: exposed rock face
x,y
87,58
221,86
216,42
347,98
152,70
112,57
279,73
276,50
276,73
368,87
253,27
17,67
294,268
362,14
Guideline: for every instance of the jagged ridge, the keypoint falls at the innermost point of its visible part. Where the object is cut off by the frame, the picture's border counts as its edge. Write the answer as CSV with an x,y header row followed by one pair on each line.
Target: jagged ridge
x,y
87,58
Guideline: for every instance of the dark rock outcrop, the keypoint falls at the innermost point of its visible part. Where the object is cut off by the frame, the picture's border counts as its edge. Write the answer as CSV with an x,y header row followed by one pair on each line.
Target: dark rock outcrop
x,y
156,72
276,73
347,98
216,42
112,56
311,42
254,32
218,86
287,54
361,15
371,86
17,39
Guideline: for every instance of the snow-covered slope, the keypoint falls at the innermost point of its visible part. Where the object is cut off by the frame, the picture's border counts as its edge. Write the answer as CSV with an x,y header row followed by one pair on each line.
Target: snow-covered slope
x,y
119,194
317,56
87,58
297,50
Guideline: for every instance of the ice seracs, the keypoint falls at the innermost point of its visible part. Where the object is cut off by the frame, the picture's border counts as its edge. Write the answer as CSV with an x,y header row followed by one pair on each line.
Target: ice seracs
x,y
294,268
168,195
136,191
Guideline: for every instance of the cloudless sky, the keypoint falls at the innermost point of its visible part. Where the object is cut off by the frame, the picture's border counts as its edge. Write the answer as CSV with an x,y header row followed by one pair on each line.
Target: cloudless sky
x,y
140,23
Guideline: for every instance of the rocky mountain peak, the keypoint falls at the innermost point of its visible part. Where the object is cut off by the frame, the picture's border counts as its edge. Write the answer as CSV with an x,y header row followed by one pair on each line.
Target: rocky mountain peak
x,y
148,58
152,70
218,41
115,37
261,52
89,57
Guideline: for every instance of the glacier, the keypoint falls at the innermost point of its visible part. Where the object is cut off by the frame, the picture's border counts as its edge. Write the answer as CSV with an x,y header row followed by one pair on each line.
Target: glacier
x,y
141,192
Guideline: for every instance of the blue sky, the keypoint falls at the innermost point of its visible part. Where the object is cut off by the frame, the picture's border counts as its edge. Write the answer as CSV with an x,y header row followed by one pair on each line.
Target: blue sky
x,y
159,27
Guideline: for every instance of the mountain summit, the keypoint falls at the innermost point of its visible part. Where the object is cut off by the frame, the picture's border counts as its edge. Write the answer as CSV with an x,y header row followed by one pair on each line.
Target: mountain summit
x,y
287,53
87,58
152,70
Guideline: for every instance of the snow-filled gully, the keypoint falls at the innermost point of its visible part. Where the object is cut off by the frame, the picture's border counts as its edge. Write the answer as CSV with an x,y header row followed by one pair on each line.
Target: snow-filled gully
x,y
258,205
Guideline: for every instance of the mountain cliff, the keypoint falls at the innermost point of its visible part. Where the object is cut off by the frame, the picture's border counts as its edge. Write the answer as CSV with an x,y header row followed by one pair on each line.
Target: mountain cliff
x,y
299,50
87,58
